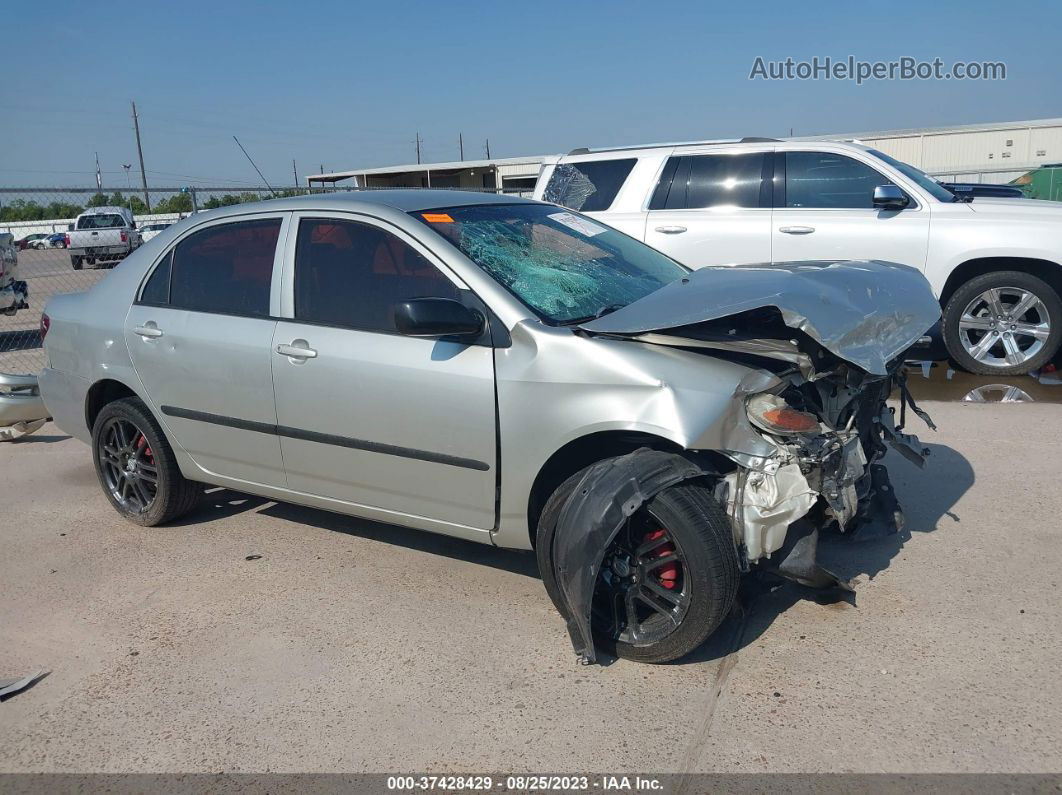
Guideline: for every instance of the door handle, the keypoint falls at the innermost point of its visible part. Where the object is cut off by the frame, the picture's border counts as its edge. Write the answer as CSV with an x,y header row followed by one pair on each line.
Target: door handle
x,y
303,351
670,230
796,230
150,331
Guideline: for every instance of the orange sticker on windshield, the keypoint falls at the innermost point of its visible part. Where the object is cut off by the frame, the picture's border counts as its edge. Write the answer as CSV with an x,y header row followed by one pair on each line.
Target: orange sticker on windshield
x,y
437,218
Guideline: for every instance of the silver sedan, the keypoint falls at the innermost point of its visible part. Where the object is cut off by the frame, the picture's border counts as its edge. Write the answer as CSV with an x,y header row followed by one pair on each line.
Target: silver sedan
x,y
504,371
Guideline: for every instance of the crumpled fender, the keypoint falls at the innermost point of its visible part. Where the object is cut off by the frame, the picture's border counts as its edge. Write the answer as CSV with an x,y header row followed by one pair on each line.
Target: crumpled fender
x,y
589,520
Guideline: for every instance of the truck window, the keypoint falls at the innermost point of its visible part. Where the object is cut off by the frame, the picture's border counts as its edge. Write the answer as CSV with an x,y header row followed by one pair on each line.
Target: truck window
x,y
588,186
100,221
829,181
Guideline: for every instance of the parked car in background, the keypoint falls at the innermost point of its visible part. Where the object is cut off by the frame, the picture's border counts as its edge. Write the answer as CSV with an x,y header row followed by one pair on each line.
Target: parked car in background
x,y
58,240
504,371
994,264
29,240
14,292
148,231
975,189
102,234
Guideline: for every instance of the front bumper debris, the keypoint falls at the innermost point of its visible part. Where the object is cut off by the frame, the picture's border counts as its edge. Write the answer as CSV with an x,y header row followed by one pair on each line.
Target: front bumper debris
x,y
22,410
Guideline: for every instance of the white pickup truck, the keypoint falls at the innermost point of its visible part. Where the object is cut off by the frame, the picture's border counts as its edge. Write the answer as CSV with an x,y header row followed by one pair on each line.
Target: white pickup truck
x,y
102,234
995,264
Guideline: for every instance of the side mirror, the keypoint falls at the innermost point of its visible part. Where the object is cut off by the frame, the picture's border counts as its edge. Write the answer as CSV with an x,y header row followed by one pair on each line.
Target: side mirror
x,y
889,197
69,227
437,317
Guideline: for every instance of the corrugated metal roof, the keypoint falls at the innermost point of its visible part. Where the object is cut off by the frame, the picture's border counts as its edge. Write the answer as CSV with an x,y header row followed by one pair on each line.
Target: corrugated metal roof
x,y
423,167
986,127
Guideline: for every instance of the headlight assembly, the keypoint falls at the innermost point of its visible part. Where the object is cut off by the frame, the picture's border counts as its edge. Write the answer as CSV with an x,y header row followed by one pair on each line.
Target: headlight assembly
x,y
772,414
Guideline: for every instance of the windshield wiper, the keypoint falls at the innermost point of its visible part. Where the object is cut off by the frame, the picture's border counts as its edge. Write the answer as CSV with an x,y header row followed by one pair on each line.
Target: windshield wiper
x,y
575,321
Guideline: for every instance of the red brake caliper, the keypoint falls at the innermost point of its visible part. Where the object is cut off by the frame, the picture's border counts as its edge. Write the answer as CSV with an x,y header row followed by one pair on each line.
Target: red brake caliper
x,y
140,443
668,574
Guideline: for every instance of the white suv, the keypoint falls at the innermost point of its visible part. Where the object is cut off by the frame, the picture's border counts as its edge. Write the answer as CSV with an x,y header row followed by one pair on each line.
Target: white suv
x,y
993,263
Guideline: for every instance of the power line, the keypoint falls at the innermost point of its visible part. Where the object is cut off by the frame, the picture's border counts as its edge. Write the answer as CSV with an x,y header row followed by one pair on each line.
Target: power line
x,y
237,140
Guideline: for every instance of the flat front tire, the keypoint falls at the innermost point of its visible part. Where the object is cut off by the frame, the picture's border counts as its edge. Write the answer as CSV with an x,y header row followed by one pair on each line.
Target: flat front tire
x,y
1003,323
136,466
666,582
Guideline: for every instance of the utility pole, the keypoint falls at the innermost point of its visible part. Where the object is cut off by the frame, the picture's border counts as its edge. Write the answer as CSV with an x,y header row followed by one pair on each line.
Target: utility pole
x,y
461,144
418,148
296,172
140,152
488,149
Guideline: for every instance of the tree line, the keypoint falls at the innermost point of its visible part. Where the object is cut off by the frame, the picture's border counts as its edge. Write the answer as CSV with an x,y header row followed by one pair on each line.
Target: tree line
x,y
30,210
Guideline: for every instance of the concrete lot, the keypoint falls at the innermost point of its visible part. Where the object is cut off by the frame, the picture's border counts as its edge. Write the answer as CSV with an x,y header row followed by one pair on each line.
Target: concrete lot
x,y
351,646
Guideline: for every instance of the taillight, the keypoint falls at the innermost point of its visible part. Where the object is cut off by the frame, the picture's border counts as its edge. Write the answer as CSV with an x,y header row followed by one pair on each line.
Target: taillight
x,y
46,323
66,240
125,237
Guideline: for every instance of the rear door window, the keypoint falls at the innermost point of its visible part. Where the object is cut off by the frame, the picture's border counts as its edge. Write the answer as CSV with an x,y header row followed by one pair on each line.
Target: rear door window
x,y
694,182
225,269
588,186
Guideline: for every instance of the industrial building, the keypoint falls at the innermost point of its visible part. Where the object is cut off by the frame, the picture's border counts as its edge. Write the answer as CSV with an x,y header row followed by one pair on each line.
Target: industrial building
x,y
998,152
509,174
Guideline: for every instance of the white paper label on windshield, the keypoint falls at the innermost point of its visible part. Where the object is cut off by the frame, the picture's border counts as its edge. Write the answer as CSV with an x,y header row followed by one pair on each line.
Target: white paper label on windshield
x,y
580,225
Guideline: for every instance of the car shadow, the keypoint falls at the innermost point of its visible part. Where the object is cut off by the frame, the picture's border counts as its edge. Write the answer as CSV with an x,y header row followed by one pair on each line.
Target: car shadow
x,y
927,497
40,439
220,503
511,560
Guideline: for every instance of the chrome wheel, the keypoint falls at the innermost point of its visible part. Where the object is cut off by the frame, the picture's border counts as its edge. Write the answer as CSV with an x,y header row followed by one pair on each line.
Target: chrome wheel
x,y
1004,327
128,465
643,591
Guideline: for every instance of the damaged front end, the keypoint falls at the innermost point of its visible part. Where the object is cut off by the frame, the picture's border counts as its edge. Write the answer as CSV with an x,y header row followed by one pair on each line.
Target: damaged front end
x,y
825,342
829,434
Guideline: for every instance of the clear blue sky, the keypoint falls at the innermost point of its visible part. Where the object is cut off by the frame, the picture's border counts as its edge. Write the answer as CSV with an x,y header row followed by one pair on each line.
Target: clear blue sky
x,y
348,84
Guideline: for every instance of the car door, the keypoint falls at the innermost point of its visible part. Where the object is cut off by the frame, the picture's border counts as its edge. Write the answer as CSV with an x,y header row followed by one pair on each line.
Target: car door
x,y
824,211
403,427
200,337
713,208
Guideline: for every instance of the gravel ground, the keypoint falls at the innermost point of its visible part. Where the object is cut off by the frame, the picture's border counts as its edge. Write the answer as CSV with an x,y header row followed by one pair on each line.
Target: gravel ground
x,y
352,646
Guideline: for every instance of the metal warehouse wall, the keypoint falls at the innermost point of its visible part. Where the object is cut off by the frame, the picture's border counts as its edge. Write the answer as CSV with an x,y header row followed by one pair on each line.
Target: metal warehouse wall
x,y
1019,147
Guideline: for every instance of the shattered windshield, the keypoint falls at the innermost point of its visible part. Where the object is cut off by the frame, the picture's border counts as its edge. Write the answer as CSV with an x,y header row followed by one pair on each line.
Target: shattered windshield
x,y
564,266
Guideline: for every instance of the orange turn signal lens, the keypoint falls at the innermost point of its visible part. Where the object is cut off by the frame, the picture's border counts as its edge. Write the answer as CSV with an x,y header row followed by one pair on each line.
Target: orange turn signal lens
x,y
772,414
437,218
791,420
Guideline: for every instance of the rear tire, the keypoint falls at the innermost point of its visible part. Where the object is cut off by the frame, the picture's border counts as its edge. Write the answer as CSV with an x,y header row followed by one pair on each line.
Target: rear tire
x,y
127,443
701,532
1011,352
75,262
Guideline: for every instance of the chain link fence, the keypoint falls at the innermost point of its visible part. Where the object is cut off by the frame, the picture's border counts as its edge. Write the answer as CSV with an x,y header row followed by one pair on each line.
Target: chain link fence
x,y
39,219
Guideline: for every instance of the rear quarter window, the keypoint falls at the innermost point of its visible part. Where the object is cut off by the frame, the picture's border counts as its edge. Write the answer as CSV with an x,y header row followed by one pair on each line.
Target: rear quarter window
x,y
588,186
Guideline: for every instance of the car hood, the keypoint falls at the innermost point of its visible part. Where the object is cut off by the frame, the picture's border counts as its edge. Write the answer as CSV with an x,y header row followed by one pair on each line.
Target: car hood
x,y
1023,208
865,312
